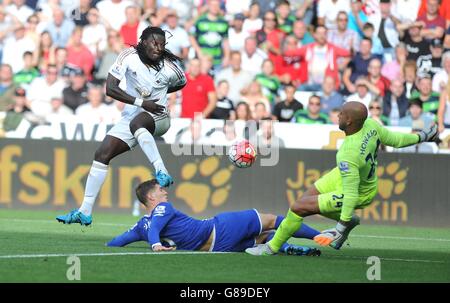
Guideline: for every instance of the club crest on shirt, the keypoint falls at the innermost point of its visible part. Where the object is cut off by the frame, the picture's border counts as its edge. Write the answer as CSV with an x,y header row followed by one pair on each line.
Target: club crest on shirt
x,y
343,167
160,210
144,92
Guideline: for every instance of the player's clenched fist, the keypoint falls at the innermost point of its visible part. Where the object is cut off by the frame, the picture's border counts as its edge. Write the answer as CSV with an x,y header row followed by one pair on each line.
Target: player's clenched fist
x,y
428,135
152,107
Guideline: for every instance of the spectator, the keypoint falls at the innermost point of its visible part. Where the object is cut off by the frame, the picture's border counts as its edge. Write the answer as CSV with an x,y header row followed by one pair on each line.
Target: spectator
x,y
80,15
115,112
19,10
224,109
234,74
199,95
133,27
377,47
94,111
431,63
433,24
333,116
290,69
312,114
416,118
6,27
43,89
327,11
395,103
185,9
305,11
43,53
343,37
7,87
17,111
207,66
377,84
253,94
415,44
266,5
193,134
94,33
409,74
252,57
210,35
285,18
79,55
362,93
285,110
236,35
405,11
108,57
393,69
440,79
302,34
260,112
15,47
113,12
28,73
32,30
375,112
444,109
58,112
386,30
243,111
60,28
233,7
269,82
356,17
253,22
320,60
266,136
269,37
178,43
358,66
75,94
425,94
329,97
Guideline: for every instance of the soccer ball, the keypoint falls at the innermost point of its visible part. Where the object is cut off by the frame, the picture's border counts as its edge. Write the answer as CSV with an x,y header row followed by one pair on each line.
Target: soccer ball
x,y
242,154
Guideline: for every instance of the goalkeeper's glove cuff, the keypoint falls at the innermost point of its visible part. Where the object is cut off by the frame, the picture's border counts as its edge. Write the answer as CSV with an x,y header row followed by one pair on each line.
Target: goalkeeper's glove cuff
x,y
428,135
341,227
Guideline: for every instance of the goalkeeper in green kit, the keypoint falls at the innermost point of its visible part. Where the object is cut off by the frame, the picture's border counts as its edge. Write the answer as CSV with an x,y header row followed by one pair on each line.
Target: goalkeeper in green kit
x,y
350,185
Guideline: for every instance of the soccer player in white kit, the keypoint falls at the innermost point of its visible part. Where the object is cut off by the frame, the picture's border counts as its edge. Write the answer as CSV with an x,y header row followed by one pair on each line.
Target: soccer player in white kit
x,y
150,73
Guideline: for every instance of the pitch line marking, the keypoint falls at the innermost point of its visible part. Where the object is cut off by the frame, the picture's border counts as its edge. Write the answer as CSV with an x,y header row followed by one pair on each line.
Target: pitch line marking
x,y
131,224
391,259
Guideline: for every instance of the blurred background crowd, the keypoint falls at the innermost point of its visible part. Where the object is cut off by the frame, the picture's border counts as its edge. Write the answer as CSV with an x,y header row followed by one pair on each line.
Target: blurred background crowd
x,y
293,61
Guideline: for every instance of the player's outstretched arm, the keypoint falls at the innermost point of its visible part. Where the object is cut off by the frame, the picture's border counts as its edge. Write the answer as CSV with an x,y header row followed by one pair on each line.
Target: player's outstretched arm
x,y
124,239
398,140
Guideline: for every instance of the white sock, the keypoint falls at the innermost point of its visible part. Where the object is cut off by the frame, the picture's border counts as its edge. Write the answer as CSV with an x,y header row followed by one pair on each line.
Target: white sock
x,y
96,177
148,145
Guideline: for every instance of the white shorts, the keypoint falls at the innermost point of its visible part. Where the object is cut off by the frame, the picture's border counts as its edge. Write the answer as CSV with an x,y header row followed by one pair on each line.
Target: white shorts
x,y
122,128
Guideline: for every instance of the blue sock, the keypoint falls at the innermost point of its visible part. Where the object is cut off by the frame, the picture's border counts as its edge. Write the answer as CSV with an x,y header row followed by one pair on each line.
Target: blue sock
x,y
304,232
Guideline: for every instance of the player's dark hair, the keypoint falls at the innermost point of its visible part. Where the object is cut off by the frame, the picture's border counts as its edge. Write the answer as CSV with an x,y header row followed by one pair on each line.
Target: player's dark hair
x,y
150,31
143,189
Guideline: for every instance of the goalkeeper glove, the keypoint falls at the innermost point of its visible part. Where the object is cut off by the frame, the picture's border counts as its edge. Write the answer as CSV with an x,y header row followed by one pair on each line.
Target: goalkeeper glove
x,y
428,135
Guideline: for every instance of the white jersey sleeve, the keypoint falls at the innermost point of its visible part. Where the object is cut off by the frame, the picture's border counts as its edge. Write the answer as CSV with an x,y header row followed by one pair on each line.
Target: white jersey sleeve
x,y
119,68
175,74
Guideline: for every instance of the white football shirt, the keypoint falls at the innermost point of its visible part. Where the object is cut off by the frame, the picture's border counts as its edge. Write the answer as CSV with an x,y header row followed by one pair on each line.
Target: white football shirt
x,y
141,81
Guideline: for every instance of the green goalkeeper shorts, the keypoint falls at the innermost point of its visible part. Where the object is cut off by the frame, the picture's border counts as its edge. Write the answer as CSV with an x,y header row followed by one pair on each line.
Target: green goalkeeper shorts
x,y
331,193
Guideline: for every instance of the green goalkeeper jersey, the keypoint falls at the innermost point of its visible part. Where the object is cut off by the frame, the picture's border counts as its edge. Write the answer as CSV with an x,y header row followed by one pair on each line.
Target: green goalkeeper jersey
x,y
357,161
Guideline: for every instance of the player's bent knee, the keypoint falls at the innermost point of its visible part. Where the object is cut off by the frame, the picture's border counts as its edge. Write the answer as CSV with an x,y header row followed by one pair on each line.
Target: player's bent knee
x,y
143,120
102,156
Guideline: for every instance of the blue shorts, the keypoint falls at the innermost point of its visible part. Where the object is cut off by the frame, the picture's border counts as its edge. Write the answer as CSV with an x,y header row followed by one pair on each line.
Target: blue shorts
x,y
236,231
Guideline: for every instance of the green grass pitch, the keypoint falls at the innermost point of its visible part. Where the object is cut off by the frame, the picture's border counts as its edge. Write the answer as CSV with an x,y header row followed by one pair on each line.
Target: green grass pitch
x,y
34,248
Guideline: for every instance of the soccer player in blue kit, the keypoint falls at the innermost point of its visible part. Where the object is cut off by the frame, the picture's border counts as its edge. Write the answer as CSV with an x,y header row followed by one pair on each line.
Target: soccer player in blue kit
x,y
166,228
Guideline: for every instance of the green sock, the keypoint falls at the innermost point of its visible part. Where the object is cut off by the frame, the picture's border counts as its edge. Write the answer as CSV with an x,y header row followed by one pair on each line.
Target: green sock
x,y
287,228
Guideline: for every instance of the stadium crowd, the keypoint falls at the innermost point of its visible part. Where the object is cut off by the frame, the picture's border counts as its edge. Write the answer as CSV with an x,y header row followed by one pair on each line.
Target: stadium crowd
x,y
294,61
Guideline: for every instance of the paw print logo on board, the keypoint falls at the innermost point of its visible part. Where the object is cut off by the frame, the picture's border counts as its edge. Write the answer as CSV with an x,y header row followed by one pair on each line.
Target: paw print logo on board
x,y
392,180
204,182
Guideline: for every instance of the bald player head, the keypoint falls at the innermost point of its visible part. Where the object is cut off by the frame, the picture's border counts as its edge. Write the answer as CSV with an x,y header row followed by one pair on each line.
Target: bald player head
x,y
352,117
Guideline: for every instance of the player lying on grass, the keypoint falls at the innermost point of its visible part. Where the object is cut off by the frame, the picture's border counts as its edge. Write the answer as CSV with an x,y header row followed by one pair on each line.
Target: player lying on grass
x,y
226,232
352,184
150,72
